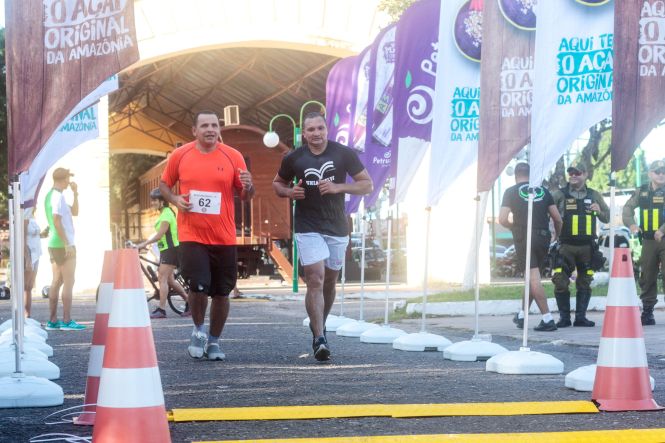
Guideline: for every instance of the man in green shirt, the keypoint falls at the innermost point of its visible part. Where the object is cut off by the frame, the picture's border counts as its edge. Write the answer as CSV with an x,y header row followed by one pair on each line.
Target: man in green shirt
x,y
61,249
650,198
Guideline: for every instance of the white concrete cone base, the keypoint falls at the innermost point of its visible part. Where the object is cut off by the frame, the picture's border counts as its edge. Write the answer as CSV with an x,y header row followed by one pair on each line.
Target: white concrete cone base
x,y
354,329
30,342
30,365
581,379
524,362
29,392
27,332
28,348
421,342
29,323
382,335
7,353
335,321
473,350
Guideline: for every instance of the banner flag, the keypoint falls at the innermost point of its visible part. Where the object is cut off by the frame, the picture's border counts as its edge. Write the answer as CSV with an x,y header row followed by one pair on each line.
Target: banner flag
x,y
379,131
58,52
340,87
639,80
416,54
506,85
457,95
359,119
573,77
80,126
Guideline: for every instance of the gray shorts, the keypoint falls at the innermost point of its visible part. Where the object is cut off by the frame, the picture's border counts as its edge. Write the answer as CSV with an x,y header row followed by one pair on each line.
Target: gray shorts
x,y
314,247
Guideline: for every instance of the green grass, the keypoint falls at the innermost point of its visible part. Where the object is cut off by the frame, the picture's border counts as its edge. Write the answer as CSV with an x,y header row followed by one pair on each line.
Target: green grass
x,y
499,292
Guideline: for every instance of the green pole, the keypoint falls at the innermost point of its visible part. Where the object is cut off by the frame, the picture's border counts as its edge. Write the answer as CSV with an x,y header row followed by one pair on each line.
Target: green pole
x,y
638,167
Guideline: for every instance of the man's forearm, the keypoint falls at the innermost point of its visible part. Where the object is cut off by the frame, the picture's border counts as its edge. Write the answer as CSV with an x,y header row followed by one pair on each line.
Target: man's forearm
x,y
165,190
281,189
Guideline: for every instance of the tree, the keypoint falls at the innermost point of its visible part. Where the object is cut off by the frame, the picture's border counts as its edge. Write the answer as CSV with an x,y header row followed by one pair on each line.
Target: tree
x,y
395,8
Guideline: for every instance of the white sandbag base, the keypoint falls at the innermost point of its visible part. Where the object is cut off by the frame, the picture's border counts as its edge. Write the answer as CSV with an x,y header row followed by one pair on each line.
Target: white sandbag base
x,y
581,379
382,335
335,321
28,348
524,362
28,331
30,365
30,342
7,324
24,391
421,342
354,329
8,353
473,350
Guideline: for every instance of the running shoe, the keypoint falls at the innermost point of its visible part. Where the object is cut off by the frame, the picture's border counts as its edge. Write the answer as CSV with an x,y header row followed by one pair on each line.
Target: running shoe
x,y
213,352
158,313
71,326
518,321
321,350
546,326
54,326
197,344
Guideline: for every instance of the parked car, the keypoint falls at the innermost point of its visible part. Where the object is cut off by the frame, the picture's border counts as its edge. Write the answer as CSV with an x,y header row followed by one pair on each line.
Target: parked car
x,y
500,251
622,238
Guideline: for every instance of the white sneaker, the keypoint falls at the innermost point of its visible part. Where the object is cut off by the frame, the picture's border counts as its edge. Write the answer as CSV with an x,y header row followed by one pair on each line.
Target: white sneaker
x,y
196,344
213,352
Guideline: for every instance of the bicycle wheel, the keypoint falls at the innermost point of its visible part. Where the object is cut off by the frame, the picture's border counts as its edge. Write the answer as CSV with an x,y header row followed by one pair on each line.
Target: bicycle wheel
x,y
177,303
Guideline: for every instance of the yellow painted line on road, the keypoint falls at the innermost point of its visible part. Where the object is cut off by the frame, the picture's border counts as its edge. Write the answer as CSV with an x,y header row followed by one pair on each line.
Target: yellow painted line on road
x,y
621,436
380,410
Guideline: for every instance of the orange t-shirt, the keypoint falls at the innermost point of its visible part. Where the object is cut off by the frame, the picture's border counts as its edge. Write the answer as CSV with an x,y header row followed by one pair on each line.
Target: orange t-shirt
x,y
215,172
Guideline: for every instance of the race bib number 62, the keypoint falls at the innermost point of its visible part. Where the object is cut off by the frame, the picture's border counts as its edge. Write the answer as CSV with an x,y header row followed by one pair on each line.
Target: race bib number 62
x,y
205,202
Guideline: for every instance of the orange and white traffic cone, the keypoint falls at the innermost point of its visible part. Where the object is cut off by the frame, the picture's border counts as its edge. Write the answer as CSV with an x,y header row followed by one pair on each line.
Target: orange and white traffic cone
x,y
104,297
130,404
622,374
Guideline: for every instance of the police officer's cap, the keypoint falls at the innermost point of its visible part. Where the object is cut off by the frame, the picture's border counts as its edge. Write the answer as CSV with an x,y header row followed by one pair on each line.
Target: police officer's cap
x,y
577,166
658,164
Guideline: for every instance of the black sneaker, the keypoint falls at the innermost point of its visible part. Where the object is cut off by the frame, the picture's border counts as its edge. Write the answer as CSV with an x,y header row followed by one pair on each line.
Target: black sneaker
x,y
321,350
564,323
549,326
518,321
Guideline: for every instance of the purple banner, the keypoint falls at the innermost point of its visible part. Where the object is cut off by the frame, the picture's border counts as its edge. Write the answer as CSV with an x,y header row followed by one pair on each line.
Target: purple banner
x,y
379,131
416,51
340,88
359,118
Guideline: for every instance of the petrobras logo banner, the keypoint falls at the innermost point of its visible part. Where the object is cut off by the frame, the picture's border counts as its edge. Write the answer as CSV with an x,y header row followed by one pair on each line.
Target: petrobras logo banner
x,y
457,102
574,64
416,62
340,87
360,99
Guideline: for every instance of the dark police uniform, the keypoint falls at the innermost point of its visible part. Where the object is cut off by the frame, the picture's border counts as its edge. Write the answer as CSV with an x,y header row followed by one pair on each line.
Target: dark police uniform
x,y
652,218
577,246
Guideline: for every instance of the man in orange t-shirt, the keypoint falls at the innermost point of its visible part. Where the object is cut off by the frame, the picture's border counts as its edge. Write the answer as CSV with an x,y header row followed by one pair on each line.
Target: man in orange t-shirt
x,y
208,173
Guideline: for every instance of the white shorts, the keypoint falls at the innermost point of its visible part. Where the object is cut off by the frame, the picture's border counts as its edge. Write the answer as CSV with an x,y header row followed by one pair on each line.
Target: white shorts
x,y
314,247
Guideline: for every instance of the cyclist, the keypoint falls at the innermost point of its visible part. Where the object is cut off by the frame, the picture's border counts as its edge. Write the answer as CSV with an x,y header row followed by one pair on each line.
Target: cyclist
x,y
166,238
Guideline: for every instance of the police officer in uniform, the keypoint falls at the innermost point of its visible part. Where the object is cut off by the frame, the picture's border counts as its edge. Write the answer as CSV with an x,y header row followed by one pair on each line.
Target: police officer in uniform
x,y
579,207
650,198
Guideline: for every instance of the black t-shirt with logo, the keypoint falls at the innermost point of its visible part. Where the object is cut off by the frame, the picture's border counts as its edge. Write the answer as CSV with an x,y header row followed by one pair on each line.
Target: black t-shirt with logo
x,y
321,213
517,199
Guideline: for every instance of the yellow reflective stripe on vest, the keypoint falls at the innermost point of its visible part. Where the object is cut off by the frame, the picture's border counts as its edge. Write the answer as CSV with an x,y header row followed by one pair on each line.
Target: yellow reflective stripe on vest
x,y
655,223
588,225
576,225
645,219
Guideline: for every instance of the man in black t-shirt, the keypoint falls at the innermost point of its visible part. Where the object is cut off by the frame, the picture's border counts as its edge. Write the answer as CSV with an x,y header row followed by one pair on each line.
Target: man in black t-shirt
x,y
320,169
515,201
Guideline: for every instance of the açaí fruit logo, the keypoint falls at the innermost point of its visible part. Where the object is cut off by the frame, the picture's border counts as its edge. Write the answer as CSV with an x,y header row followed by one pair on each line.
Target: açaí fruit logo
x,y
468,31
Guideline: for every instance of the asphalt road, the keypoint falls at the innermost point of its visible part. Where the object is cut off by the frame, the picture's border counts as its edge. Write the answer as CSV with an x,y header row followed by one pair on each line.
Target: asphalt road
x,y
269,363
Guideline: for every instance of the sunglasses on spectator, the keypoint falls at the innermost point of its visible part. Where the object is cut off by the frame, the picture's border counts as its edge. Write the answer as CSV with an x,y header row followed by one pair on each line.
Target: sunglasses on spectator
x,y
575,173
659,171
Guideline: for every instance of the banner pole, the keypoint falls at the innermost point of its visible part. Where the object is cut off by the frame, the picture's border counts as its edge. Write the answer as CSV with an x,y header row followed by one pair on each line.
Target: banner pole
x,y
389,244
476,280
16,245
425,271
612,209
362,265
527,270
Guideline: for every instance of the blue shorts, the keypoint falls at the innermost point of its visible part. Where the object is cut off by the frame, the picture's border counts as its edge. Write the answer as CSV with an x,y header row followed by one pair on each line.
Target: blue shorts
x,y
314,247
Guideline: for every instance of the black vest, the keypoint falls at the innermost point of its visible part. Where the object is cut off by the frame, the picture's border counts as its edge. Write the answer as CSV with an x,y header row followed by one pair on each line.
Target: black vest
x,y
652,210
579,221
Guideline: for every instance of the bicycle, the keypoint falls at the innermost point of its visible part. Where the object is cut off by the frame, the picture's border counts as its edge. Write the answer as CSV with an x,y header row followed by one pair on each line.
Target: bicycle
x,y
175,300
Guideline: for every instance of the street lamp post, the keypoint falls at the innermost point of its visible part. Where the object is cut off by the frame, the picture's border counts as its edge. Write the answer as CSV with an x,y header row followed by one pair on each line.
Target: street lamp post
x,y
270,140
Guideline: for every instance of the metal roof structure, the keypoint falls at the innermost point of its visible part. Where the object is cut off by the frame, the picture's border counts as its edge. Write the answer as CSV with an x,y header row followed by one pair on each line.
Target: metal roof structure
x,y
156,103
